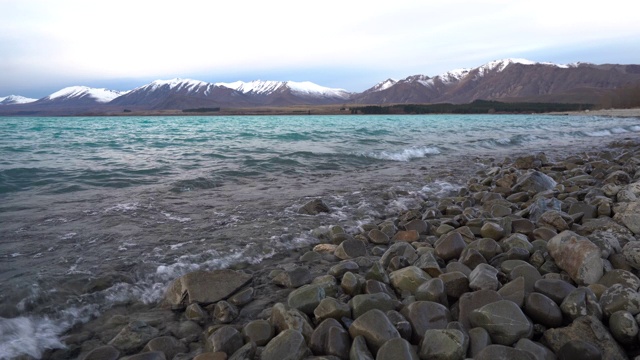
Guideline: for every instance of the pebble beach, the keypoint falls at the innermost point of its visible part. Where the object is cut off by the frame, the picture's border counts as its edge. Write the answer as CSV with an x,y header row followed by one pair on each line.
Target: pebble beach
x,y
533,258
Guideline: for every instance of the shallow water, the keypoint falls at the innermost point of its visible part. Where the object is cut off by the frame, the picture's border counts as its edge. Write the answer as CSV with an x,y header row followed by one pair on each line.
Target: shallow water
x,y
96,212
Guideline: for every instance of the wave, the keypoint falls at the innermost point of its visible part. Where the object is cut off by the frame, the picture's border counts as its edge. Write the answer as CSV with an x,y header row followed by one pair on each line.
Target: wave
x,y
405,154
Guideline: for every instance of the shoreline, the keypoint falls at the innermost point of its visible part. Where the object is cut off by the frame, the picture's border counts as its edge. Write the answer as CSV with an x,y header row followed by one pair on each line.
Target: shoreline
x,y
274,279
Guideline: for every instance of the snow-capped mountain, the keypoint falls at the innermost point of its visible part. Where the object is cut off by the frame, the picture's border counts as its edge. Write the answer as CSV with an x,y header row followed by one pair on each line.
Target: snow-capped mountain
x,y
187,93
81,95
305,88
15,99
508,80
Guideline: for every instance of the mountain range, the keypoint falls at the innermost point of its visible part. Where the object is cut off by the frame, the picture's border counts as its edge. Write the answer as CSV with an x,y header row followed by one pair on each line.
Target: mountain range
x,y
505,80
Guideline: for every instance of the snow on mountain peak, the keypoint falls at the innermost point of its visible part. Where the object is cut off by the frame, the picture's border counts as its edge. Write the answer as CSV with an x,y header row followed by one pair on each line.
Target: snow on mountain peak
x,y
15,99
100,95
256,86
453,75
384,84
268,86
175,83
309,88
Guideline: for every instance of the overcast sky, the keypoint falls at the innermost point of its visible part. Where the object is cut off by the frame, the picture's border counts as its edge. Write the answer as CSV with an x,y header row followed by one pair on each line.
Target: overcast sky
x,y
46,45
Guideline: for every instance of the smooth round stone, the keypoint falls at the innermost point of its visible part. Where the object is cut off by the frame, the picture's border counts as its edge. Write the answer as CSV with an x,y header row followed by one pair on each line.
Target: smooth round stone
x,y
351,284
399,321
378,237
397,349
581,301
555,289
149,355
378,273
542,310
484,277
243,297
622,277
624,327
425,315
421,226
579,349
293,278
168,345
311,256
363,303
106,352
479,339
331,308
375,327
455,283
472,258
504,320
408,236
538,350
458,266
288,345
501,352
374,287
492,231
195,312
225,312
444,344
432,290
408,279
488,248
428,263
399,249
631,252
529,273
450,246
350,249
544,233
617,298
342,267
514,291
474,300
259,332
516,241
359,349
226,339
330,338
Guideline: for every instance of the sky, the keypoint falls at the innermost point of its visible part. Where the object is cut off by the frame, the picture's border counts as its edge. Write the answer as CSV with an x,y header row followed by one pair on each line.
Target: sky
x,y
47,45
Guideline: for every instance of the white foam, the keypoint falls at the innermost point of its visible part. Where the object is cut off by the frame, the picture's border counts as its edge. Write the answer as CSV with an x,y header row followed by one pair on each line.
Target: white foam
x,y
28,335
405,154
635,128
126,207
176,218
598,133
619,130
504,141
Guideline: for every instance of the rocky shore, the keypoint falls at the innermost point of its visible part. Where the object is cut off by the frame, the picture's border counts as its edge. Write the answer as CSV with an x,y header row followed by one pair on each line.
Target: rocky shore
x,y
532,259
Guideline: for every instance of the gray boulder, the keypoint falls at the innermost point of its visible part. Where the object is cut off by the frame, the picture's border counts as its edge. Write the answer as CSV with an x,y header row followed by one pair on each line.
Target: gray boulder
x,y
375,327
443,344
578,256
503,320
204,287
288,345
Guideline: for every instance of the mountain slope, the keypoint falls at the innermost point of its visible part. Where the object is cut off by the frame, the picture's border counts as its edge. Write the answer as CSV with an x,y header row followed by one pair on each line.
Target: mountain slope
x,y
15,99
79,95
278,93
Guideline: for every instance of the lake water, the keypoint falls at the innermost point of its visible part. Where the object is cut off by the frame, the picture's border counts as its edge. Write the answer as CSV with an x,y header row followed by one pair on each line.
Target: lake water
x,y
102,211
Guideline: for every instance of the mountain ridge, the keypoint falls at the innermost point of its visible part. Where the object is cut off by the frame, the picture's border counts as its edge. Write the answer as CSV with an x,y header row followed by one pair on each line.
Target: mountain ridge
x,y
510,79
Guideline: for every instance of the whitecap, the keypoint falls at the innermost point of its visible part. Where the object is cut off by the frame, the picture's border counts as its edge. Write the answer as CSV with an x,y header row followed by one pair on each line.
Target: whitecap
x,y
598,133
405,154
176,218
619,130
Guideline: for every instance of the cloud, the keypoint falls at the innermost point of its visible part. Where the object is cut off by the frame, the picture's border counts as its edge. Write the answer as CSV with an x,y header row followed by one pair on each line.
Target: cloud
x,y
102,40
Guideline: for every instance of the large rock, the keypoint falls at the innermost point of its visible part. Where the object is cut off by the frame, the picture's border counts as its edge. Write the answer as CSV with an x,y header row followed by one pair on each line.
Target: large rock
x,y
361,304
331,308
259,332
350,249
631,253
501,352
628,214
503,320
445,344
578,256
330,338
204,287
133,337
288,345
293,278
484,277
580,302
617,298
292,319
397,349
168,345
375,327
408,279
314,207
425,315
306,298
585,328
226,339
534,182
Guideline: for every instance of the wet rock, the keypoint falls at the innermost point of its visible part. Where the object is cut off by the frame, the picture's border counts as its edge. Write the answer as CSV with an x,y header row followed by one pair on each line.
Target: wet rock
x,y
419,225
455,283
397,349
361,304
579,349
378,273
450,246
425,315
428,263
226,339
133,337
542,310
399,249
484,277
293,278
528,273
283,319
588,329
306,298
488,248
501,352
503,320
342,267
378,237
408,236
479,339
580,302
359,349
259,332
554,220
331,308
106,352
628,214
195,312
168,345
375,327
330,338
618,297
474,300
618,177
578,256
288,345
557,290
624,327
314,207
151,355
351,284
374,287
401,323
204,287
432,290
350,249
224,312
538,350
247,351
408,279
444,344
492,231
631,252
622,277
533,182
